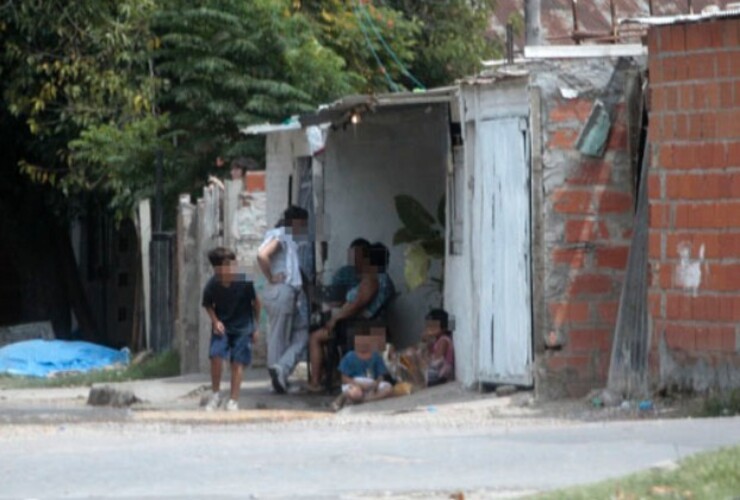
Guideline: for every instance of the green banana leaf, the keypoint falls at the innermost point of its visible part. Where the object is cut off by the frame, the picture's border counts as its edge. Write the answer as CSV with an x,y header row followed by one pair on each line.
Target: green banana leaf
x,y
441,209
403,235
415,218
416,268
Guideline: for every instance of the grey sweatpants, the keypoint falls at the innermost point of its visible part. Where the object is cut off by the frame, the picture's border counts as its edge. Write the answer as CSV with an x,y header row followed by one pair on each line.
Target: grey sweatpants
x,y
287,336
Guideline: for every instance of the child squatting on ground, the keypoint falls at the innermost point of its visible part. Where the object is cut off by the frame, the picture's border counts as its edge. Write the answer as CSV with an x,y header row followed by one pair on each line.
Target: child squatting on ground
x,y
441,351
231,303
363,374
432,362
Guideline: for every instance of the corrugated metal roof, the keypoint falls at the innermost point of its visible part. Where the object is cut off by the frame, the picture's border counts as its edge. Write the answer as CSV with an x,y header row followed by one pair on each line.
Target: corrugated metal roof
x,y
341,110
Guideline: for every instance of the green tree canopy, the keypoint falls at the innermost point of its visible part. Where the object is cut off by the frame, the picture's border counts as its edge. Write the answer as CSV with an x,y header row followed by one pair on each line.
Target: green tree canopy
x,y
78,70
376,42
101,85
230,63
453,38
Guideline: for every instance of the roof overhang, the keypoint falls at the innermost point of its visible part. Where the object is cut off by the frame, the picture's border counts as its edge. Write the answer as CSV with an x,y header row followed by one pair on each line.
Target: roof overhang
x,y
584,51
341,111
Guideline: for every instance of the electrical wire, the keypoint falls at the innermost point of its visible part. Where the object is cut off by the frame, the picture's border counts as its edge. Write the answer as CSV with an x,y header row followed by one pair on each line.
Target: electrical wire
x,y
391,84
387,47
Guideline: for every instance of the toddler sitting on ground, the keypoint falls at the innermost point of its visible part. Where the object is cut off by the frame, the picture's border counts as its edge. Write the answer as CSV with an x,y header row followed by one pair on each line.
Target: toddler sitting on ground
x,y
363,374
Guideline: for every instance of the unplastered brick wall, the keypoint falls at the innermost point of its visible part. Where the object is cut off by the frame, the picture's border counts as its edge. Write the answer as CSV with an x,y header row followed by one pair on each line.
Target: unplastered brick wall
x,y
588,220
694,189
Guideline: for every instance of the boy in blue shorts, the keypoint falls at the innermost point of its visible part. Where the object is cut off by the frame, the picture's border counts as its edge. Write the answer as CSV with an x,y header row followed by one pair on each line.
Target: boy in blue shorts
x,y
232,305
363,374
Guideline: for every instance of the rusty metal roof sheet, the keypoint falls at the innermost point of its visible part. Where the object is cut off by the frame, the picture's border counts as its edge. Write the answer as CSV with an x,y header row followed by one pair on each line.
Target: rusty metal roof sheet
x,y
593,15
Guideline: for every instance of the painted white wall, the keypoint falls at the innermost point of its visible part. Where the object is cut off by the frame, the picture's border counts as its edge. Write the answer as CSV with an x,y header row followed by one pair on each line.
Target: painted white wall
x,y
281,148
394,151
462,274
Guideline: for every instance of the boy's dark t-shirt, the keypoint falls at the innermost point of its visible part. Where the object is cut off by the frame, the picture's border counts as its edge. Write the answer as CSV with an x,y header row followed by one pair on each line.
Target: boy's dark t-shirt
x,y
232,304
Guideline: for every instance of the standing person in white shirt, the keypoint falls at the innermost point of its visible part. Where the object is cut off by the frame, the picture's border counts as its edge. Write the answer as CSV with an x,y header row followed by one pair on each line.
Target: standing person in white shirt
x,y
284,297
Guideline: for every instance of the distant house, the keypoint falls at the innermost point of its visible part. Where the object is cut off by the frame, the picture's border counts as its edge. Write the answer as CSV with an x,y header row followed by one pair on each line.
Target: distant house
x,y
536,236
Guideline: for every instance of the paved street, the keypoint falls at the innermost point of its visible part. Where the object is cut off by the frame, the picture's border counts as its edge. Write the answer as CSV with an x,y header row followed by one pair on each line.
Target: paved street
x,y
342,458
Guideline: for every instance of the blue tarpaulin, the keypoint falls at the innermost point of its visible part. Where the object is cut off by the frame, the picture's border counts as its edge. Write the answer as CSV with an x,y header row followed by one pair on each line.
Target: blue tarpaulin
x,y
41,358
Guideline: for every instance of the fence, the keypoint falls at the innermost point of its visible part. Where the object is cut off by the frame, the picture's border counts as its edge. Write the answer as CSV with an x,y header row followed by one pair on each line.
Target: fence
x,y
230,215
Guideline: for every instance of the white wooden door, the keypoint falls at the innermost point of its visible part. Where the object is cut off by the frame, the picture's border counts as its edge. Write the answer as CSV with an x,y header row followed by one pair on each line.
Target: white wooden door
x,y
505,309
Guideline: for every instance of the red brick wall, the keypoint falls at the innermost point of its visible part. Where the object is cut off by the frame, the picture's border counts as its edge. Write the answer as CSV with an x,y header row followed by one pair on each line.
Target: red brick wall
x,y
694,187
588,218
254,181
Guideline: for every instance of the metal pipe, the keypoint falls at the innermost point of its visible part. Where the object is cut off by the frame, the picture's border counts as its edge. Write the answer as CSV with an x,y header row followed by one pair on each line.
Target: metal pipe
x,y
510,43
613,11
532,26
574,9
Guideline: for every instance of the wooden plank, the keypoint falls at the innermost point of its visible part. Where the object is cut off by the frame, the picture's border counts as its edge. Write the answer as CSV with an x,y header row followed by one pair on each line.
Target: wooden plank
x,y
145,238
629,357
539,318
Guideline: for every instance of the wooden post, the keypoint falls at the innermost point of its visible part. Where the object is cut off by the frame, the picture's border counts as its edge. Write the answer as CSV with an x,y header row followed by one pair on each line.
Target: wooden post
x,y
231,204
161,288
188,296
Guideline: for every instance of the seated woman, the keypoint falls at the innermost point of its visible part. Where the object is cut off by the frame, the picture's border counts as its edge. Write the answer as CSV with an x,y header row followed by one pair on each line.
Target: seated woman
x,y
363,301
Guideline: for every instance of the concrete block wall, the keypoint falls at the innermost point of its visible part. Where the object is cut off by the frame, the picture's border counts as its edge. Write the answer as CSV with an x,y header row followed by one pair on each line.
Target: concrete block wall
x,y
588,210
250,227
199,229
694,190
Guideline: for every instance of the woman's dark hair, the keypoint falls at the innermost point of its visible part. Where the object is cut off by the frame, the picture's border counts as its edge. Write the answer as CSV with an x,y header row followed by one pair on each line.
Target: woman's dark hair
x,y
379,256
439,315
290,214
359,243
362,244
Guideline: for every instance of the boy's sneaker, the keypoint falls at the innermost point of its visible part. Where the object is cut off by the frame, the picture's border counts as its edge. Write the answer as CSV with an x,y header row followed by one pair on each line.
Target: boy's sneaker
x,y
213,401
278,379
232,405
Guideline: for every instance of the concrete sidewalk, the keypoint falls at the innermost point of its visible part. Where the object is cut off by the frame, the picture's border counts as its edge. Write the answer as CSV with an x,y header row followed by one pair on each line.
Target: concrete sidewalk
x,y
178,400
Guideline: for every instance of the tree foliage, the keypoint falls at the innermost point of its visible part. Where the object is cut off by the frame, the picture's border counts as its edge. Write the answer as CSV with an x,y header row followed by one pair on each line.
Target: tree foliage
x,y
102,85
453,38
230,63
377,43
73,70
